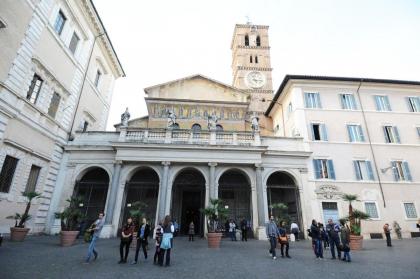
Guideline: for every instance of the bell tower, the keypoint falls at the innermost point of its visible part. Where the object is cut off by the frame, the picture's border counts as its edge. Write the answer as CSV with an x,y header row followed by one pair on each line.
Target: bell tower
x,y
251,66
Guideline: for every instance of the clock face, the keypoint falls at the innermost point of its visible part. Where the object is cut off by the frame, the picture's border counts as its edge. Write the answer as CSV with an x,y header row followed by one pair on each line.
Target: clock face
x,y
255,79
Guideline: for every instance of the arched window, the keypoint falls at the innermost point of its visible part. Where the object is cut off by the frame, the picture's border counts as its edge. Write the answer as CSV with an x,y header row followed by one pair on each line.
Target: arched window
x,y
258,41
250,59
196,128
256,59
219,128
246,40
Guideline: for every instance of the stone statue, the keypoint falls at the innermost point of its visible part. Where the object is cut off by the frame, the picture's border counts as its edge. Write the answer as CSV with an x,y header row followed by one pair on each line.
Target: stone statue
x,y
254,123
212,121
171,119
124,118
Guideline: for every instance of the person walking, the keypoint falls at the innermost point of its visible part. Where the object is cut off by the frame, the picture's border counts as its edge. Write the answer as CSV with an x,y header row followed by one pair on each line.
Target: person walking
x,y
284,240
345,241
157,236
97,228
272,233
127,231
142,235
387,231
294,228
191,231
232,230
324,236
166,244
316,240
397,229
333,231
244,230
176,228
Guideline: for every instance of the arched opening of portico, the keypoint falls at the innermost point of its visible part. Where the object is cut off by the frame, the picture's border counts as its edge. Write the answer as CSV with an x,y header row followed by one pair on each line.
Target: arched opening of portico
x,y
188,199
281,188
235,192
92,189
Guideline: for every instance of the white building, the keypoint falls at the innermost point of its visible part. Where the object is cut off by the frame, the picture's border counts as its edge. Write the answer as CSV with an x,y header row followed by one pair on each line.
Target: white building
x,y
57,72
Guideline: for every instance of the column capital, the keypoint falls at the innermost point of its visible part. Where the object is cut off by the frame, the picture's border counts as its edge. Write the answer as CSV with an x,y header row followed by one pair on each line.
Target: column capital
x,y
166,163
118,162
212,164
259,166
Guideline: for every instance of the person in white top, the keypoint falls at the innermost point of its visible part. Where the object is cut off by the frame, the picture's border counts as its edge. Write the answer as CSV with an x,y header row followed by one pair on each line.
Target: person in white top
x,y
294,228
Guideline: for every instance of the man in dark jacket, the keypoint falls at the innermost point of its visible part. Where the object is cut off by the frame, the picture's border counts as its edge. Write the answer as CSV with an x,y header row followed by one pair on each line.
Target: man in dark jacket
x,y
316,240
333,231
142,235
272,234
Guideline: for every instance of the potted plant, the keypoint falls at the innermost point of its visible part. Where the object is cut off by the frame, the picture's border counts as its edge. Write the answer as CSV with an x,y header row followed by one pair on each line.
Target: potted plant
x,y
215,212
19,232
136,212
70,219
355,217
282,212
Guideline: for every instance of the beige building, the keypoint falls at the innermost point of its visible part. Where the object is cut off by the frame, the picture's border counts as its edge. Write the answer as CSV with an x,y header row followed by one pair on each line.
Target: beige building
x,y
57,72
364,135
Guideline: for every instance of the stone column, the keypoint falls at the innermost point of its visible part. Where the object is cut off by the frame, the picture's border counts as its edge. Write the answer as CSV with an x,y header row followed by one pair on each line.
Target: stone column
x,y
112,198
262,203
212,179
163,190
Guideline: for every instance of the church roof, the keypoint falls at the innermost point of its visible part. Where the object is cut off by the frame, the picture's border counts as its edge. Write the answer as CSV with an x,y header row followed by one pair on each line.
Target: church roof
x,y
199,76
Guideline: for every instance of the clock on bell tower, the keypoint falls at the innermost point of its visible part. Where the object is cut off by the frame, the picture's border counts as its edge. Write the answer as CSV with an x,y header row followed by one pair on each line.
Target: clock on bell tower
x,y
251,67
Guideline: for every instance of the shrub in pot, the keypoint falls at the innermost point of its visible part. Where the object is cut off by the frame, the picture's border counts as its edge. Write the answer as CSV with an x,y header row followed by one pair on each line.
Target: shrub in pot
x,y
355,217
70,219
215,213
19,231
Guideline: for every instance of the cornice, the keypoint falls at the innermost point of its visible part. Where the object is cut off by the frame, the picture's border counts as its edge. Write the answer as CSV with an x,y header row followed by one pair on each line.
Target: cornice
x,y
254,68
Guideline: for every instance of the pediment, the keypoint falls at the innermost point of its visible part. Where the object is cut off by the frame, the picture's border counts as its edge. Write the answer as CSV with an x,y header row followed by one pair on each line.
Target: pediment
x,y
197,88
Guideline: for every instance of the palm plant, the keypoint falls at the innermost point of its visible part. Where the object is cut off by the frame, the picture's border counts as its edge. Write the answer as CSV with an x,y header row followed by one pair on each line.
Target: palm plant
x,y
71,216
282,210
20,219
215,212
350,198
137,210
358,216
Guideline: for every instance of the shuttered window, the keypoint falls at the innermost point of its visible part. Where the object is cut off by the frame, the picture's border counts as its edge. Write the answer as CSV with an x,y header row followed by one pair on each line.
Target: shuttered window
x,y
74,42
55,103
7,173
32,179
34,89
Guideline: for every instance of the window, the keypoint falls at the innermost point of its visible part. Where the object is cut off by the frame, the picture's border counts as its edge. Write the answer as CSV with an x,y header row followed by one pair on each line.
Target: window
x,y
74,42
324,169
246,40
7,173
319,132
312,100
391,134
59,22
289,109
410,210
363,170
401,171
382,103
258,41
34,89
250,59
196,128
219,128
348,101
97,77
256,59
355,133
414,104
32,179
55,103
372,210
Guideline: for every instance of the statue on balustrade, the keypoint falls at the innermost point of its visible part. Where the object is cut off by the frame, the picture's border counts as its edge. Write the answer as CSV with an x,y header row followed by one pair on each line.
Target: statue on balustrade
x,y
212,121
255,126
171,119
124,118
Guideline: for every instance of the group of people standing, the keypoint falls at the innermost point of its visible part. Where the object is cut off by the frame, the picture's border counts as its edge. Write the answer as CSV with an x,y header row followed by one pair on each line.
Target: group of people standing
x,y
336,236
231,228
162,234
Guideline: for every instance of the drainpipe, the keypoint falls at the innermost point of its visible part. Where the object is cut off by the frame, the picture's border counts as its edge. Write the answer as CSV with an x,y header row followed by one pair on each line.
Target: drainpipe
x,y
370,142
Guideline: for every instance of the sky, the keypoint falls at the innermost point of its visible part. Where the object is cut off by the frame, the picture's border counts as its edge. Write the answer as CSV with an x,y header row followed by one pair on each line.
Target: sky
x,y
159,41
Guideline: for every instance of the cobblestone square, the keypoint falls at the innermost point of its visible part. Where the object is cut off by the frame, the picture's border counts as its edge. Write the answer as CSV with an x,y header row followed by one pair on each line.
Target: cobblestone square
x,y
42,257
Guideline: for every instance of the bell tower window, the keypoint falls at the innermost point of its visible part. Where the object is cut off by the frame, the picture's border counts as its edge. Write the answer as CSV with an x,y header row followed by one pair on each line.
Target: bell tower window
x,y
258,41
246,40
250,59
256,59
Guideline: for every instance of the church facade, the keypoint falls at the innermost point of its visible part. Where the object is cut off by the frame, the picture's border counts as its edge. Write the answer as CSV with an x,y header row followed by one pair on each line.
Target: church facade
x,y
203,139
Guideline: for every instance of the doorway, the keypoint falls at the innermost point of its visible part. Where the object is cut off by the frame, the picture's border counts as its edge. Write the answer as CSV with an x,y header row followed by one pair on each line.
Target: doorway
x,y
188,200
330,211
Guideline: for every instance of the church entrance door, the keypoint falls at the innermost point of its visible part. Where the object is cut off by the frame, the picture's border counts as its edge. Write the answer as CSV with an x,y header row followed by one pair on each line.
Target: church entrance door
x,y
188,199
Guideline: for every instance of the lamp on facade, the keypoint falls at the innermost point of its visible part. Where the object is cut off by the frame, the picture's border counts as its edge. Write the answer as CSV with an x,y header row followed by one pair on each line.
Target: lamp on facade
x,y
226,206
384,170
2,23
128,204
81,204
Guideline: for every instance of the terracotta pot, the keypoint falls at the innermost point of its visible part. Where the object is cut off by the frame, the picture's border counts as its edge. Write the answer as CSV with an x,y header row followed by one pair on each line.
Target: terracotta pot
x,y
18,234
67,238
214,239
356,242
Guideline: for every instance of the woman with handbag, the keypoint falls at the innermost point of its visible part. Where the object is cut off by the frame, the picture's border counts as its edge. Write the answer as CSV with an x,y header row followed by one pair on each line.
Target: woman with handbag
x,y
126,238
166,244
283,239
